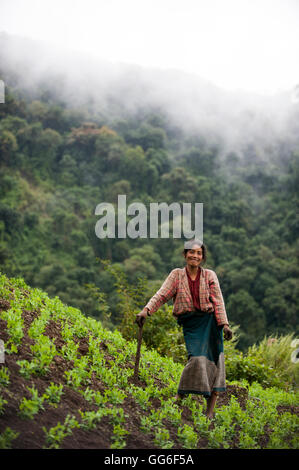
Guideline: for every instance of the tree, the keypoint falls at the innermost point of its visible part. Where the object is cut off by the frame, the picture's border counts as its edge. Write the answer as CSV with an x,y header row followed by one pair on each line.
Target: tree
x,y
179,185
147,137
143,261
134,167
243,310
8,147
202,161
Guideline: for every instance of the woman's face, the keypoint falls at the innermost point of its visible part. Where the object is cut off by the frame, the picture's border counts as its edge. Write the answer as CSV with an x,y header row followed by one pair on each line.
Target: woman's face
x,y
194,256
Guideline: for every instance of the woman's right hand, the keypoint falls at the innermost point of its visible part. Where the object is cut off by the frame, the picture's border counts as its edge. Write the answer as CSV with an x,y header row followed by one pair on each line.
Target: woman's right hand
x,y
141,317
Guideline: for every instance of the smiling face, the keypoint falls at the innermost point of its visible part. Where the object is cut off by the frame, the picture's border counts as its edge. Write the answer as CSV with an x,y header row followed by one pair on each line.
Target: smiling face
x,y
194,256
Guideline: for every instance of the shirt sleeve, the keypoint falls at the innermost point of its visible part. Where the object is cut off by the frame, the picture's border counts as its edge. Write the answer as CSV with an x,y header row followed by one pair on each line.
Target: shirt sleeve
x,y
166,292
217,300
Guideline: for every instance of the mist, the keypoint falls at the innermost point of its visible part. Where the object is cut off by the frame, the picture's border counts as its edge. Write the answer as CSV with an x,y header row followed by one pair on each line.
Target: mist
x,y
117,90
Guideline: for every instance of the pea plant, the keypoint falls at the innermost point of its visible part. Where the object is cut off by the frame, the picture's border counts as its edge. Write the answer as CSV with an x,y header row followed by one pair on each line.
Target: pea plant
x,y
188,436
6,438
162,439
43,352
38,325
2,404
70,350
55,435
80,374
285,432
15,324
27,368
4,376
28,408
141,396
90,419
53,394
118,437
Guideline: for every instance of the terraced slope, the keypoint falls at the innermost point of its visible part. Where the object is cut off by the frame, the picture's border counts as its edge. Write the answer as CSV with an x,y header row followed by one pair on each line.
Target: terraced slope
x,y
67,382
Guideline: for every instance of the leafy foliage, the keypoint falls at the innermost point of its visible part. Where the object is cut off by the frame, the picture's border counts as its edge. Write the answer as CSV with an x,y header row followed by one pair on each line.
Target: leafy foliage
x,y
58,163
103,377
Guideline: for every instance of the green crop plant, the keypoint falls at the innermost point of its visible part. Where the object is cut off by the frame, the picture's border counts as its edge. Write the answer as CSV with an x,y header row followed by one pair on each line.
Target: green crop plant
x,y
141,396
170,411
43,351
107,376
153,391
15,324
56,434
70,350
27,368
118,437
99,399
4,376
53,393
162,439
274,395
90,419
94,353
188,436
79,329
80,374
115,396
2,404
6,438
285,432
156,418
200,421
217,438
38,325
246,441
146,424
67,331
93,396
88,394
113,376
117,415
28,408
144,372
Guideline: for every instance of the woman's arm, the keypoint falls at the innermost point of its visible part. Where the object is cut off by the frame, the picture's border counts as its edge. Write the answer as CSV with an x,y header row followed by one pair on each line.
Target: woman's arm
x,y
217,299
165,293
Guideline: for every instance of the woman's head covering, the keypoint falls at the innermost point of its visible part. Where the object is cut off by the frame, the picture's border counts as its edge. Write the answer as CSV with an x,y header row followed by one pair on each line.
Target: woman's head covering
x,y
190,243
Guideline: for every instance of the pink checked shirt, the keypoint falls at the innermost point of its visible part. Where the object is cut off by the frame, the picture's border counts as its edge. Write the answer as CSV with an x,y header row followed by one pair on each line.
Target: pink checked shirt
x,y
176,287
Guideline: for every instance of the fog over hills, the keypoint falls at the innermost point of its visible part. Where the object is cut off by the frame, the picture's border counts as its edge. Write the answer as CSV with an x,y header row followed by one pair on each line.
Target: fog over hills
x,y
235,119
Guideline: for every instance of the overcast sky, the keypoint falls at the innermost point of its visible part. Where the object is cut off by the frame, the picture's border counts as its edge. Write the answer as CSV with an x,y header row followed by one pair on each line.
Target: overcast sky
x,y
251,45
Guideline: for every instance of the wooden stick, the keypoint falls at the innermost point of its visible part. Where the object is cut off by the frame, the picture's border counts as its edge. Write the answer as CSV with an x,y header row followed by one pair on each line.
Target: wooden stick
x,y
138,353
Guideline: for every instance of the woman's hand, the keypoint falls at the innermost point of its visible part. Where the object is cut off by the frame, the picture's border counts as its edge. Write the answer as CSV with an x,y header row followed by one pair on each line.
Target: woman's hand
x,y
141,317
228,334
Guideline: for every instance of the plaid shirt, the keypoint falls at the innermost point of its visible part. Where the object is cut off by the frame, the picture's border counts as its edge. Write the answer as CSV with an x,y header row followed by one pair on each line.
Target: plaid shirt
x,y
176,287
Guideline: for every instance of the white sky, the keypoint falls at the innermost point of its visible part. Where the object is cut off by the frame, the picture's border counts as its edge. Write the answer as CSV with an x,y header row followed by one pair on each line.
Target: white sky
x,y
251,45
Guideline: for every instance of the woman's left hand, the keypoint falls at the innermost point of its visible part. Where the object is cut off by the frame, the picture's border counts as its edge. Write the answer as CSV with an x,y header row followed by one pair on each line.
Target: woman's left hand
x,y
228,334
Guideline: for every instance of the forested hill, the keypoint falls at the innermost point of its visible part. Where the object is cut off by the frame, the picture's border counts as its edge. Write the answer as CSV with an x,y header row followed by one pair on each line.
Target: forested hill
x,y
154,136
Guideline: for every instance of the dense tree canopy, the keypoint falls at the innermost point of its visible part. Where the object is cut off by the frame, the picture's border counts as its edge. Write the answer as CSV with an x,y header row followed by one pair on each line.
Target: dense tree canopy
x,y
58,163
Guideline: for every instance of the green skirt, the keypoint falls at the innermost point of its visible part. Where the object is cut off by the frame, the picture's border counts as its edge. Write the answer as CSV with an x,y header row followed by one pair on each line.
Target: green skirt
x,y
205,369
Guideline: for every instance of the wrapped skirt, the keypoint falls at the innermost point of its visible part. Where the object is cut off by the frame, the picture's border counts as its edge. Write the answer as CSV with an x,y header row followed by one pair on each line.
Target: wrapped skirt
x,y
205,369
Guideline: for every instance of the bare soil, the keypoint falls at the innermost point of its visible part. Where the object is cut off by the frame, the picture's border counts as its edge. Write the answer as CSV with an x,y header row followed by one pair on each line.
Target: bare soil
x,y
31,433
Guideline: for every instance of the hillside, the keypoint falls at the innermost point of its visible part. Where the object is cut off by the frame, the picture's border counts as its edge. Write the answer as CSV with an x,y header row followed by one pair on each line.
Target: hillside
x,y
75,133
67,382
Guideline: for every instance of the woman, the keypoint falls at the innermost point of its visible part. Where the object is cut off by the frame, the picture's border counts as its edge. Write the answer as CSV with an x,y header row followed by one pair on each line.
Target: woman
x,y
199,308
